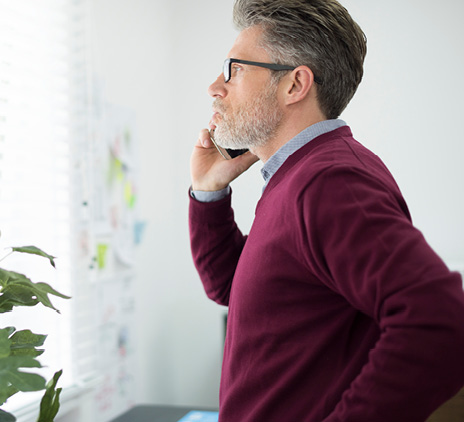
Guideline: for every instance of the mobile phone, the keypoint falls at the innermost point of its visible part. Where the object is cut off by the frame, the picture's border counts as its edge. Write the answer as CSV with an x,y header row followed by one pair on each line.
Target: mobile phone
x,y
227,153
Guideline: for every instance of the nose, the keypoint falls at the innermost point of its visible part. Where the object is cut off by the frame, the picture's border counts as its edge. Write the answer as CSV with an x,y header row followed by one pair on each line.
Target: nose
x,y
217,88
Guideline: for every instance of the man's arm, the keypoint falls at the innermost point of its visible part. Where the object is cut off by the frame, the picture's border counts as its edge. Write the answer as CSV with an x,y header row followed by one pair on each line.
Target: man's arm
x,y
371,254
216,242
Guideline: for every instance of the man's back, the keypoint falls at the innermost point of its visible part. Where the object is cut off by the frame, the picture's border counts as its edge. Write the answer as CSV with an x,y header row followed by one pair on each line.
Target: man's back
x,y
319,281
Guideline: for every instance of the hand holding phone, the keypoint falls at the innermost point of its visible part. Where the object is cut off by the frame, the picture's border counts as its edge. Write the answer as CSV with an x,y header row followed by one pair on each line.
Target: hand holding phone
x,y
211,171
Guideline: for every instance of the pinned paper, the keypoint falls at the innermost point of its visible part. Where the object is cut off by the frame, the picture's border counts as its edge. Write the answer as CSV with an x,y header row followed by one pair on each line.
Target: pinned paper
x,y
102,249
139,229
118,169
129,195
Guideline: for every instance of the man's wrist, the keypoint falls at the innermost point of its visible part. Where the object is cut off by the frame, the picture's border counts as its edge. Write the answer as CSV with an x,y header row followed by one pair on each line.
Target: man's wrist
x,y
210,196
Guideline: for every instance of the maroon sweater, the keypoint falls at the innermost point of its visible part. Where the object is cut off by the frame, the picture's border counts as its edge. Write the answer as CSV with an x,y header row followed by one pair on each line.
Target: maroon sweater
x,y
339,311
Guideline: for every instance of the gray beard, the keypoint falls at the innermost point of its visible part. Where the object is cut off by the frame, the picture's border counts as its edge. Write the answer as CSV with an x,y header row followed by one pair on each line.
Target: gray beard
x,y
252,125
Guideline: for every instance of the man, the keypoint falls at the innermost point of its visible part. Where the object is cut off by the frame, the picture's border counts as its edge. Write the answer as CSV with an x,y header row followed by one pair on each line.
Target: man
x,y
338,308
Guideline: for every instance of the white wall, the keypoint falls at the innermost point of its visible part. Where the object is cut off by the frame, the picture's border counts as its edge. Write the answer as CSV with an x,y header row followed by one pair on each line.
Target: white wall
x,y
409,109
159,56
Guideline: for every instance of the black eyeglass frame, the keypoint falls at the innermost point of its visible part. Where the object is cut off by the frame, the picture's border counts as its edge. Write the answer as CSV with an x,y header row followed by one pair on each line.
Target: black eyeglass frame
x,y
227,68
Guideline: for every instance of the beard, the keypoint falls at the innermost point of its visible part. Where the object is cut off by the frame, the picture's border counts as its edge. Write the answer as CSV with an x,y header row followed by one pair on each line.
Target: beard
x,y
251,125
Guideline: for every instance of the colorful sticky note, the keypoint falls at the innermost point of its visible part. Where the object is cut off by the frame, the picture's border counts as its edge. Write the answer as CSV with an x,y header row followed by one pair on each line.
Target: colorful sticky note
x,y
129,195
139,229
102,249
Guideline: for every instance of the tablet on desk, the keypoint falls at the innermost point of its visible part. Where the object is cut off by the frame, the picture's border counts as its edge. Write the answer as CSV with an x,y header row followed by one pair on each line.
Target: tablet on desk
x,y
200,416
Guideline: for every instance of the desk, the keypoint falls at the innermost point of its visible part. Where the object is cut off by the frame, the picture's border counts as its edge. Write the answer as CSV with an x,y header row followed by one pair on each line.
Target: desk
x,y
152,413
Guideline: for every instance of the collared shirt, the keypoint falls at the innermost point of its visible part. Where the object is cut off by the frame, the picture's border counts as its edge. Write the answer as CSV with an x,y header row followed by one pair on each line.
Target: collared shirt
x,y
276,161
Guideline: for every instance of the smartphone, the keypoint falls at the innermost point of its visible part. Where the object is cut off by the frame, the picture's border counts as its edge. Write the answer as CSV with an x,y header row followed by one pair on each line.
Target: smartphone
x,y
227,153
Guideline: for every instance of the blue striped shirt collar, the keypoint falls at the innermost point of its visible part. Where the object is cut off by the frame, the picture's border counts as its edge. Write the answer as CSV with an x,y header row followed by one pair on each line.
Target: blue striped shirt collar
x,y
275,162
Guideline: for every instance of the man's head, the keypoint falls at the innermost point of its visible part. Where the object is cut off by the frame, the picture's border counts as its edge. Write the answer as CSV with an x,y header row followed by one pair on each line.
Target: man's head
x,y
319,34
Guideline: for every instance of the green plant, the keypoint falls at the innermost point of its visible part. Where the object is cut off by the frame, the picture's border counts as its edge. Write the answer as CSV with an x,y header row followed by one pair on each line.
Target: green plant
x,y
19,349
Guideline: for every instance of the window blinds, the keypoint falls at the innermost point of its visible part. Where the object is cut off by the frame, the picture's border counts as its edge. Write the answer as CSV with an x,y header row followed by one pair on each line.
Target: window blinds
x,y
43,128
67,185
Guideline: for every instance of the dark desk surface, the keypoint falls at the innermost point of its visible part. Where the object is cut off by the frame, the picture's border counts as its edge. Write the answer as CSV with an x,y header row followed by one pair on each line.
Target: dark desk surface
x,y
152,413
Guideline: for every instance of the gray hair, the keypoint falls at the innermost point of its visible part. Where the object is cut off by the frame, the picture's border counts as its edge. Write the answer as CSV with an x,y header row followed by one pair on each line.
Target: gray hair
x,y
319,34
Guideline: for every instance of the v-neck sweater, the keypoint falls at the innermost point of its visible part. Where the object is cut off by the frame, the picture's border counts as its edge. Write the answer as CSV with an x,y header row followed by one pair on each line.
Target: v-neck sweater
x,y
339,310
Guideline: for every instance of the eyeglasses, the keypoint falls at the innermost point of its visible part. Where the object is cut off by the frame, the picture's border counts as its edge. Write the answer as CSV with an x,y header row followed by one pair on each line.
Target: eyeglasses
x,y
227,68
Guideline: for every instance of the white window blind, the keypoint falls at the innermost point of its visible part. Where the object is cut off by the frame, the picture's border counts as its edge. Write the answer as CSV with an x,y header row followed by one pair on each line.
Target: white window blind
x,y
68,186
43,128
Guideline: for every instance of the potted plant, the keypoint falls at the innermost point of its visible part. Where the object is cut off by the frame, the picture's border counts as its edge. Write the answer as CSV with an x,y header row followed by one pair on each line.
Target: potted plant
x,y
20,349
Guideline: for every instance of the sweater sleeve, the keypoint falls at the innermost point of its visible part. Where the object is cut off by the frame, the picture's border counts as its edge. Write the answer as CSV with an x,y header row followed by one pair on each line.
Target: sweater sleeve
x,y
216,244
367,250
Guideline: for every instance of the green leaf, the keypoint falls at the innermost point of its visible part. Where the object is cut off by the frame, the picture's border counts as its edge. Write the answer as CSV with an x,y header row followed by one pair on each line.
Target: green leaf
x,y
24,343
23,381
8,330
50,403
6,417
5,342
18,350
17,295
18,290
6,393
6,390
5,347
46,288
10,276
35,251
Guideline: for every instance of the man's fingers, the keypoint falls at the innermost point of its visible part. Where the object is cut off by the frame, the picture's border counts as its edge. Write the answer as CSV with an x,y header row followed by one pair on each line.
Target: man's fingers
x,y
205,139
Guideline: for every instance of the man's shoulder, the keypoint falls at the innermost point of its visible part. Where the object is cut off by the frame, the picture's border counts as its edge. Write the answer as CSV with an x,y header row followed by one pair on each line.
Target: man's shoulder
x,y
337,149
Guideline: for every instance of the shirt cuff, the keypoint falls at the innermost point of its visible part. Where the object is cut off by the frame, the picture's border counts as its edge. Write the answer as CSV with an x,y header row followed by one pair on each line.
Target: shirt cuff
x,y
208,196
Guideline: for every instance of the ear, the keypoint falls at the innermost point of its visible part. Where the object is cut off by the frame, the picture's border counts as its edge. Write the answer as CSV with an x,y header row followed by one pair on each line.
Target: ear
x,y
299,84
